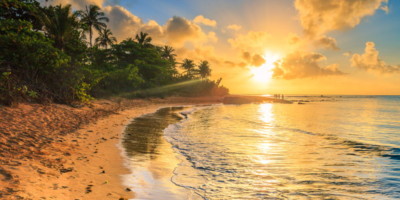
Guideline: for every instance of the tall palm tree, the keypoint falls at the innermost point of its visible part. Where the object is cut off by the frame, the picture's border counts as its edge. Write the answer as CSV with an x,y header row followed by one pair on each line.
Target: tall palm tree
x,y
92,17
105,38
59,23
204,69
189,67
143,39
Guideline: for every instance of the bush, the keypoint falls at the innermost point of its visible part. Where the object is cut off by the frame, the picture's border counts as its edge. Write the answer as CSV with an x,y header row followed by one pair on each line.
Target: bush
x,y
35,69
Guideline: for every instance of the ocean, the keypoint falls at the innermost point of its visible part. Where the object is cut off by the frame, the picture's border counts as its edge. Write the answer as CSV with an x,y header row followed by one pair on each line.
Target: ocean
x,y
328,147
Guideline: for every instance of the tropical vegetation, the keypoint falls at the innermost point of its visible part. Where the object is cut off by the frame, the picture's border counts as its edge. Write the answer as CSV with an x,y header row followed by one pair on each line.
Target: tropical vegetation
x,y
46,56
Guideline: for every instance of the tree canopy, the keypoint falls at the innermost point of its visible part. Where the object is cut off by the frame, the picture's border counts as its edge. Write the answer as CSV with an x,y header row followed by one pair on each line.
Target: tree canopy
x,y
45,57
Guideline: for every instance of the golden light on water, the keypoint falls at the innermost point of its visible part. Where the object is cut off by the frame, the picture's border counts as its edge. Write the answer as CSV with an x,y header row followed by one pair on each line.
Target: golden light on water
x,y
266,114
263,73
267,117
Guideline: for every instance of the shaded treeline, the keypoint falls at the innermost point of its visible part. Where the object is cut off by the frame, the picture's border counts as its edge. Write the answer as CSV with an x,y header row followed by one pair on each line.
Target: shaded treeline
x,y
48,54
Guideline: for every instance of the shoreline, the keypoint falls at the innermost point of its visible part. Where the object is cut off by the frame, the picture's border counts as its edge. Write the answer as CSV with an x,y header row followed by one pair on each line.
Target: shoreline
x,y
86,163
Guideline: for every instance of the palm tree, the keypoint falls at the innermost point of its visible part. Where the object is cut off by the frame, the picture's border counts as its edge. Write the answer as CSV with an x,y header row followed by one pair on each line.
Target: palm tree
x,y
167,52
204,69
93,18
189,67
59,24
105,38
143,39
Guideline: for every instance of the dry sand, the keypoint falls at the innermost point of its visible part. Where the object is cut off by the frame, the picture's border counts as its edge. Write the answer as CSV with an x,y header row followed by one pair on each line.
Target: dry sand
x,y
60,152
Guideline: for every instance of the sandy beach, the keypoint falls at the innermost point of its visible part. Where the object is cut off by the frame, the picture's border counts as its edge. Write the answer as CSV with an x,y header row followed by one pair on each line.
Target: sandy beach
x,y
60,152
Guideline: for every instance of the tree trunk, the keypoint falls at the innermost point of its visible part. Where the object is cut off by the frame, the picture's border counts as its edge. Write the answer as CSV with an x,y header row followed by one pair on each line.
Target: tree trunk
x,y
90,35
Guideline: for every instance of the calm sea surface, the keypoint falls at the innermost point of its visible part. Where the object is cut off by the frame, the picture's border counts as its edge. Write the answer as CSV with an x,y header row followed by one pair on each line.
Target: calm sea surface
x,y
328,148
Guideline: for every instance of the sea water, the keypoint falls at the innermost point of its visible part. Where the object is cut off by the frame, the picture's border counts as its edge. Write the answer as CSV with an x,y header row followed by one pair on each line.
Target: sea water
x,y
331,147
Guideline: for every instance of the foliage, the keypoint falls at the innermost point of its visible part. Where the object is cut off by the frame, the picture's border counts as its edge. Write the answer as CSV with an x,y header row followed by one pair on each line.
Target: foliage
x,y
45,58
105,38
204,69
92,17
37,69
20,10
143,39
189,67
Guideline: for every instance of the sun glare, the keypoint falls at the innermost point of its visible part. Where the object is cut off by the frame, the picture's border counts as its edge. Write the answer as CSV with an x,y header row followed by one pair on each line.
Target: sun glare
x,y
263,73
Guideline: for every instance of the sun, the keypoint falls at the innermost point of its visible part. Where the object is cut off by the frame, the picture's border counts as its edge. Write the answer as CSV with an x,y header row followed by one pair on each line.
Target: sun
x,y
263,73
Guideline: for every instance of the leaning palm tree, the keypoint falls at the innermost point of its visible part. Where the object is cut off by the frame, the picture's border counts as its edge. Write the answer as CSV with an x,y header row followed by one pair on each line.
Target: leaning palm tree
x,y
143,39
105,38
189,67
58,23
93,18
204,69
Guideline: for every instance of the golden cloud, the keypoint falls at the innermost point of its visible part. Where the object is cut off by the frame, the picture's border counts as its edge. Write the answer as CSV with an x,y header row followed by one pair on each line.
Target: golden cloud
x,y
370,61
326,42
253,60
176,32
320,17
205,21
252,41
303,65
234,27
122,23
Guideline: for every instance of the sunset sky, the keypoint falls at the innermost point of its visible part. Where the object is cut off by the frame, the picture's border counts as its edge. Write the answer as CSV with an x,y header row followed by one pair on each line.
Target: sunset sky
x,y
271,46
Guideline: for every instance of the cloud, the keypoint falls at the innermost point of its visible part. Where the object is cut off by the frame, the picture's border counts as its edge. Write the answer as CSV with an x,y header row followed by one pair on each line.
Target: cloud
x,y
326,42
253,60
200,19
76,4
370,61
385,8
303,65
122,23
347,54
177,31
234,27
252,41
319,17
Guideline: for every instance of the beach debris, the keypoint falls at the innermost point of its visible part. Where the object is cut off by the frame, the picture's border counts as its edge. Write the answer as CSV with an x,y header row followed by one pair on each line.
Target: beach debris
x,y
40,171
65,170
128,189
103,172
89,189
6,175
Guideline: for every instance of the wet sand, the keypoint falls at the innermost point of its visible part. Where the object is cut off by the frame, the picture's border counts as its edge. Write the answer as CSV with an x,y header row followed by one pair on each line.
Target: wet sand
x,y
60,152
